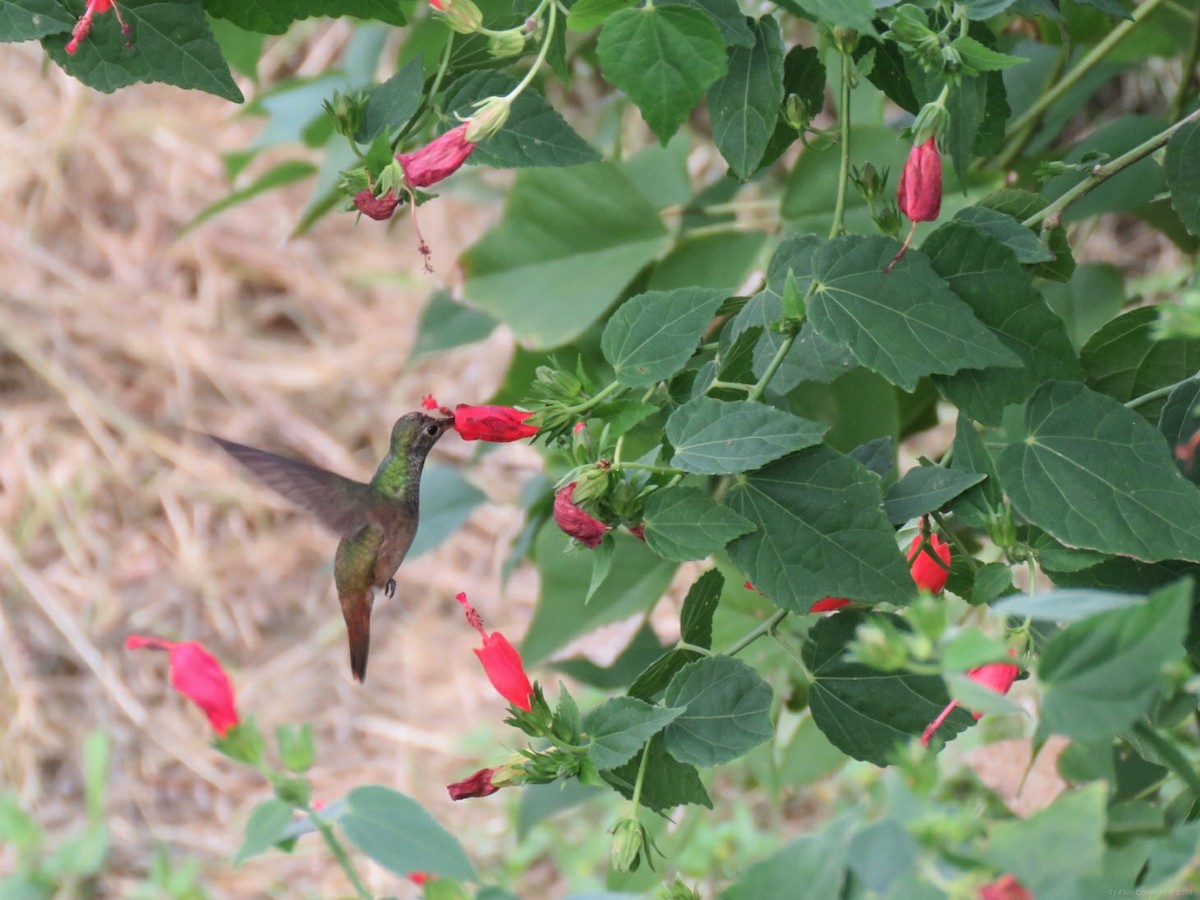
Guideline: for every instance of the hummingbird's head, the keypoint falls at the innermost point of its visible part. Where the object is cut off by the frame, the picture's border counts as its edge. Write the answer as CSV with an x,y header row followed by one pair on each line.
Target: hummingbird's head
x,y
416,433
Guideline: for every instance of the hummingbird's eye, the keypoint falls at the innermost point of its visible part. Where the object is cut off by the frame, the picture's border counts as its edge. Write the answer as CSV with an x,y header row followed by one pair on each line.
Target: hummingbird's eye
x,y
431,430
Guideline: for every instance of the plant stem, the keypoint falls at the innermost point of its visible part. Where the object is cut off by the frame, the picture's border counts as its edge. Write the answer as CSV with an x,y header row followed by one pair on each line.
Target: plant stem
x,y
641,777
1154,394
541,57
1020,139
339,852
1102,173
1180,101
757,391
753,635
596,399
839,209
1085,65
647,467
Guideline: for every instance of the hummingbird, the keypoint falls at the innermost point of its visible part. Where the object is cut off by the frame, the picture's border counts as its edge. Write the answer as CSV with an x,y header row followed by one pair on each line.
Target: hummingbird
x,y
377,521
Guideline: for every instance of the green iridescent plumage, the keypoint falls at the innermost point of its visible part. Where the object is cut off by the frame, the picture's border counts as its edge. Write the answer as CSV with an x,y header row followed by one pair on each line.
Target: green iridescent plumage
x,y
377,521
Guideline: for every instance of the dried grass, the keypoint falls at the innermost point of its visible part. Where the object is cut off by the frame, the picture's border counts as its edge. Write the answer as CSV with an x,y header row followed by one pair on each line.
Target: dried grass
x,y
115,340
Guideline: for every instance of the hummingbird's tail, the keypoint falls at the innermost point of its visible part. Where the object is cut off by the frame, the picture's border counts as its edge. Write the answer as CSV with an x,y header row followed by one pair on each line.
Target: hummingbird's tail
x,y
357,612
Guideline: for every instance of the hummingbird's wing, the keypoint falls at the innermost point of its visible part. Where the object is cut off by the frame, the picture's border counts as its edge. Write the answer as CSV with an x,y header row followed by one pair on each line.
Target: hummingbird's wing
x,y
339,503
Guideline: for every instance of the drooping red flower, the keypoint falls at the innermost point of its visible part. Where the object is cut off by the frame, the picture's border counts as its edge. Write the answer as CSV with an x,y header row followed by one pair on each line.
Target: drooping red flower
x,y
576,523
84,26
498,424
919,194
478,785
997,676
438,159
377,208
926,571
197,675
829,603
501,661
1006,887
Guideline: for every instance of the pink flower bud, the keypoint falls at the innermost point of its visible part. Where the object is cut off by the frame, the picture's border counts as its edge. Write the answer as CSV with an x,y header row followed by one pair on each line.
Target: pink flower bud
x,y
478,785
197,675
377,208
498,424
585,528
919,194
926,571
438,159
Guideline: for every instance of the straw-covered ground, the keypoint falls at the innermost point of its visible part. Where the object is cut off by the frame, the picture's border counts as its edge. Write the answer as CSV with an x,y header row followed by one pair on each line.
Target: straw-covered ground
x,y
116,339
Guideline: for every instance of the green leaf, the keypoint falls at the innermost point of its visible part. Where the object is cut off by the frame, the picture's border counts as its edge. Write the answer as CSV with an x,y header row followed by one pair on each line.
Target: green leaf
x,y
717,437
652,336
1065,605
817,862
1108,7
1096,475
1182,169
602,557
978,56
656,676
985,275
684,523
1124,360
1178,421
1056,846
977,505
1022,241
274,178
621,727
864,712
637,580
396,832
569,242
1021,205
276,16
695,619
982,10
744,105
535,134
727,711
820,533
856,15
1104,672
587,14
663,58
804,76
903,324
925,489
26,20
734,26
446,323
393,103
667,783
168,42
264,828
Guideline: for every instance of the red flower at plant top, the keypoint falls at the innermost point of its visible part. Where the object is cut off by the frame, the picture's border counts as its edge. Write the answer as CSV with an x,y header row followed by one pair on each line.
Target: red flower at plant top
x,y
377,208
1006,887
997,676
926,571
478,785
498,424
84,26
501,661
574,522
197,675
919,194
438,159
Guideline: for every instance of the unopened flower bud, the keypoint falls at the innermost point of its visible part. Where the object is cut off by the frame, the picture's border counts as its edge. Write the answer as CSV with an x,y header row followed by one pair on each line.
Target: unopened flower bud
x,y
919,194
507,43
628,844
438,159
347,112
795,112
462,16
576,523
559,383
489,117
377,208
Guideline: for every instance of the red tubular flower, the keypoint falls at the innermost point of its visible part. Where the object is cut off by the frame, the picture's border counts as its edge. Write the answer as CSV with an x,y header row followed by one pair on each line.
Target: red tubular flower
x,y
478,785
574,522
829,603
377,208
438,159
926,571
498,424
919,194
197,675
1006,887
997,676
501,661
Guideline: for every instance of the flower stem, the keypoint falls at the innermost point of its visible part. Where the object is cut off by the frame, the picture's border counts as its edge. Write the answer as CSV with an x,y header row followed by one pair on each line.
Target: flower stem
x,y
757,391
597,398
1102,173
541,57
765,627
1154,394
647,467
839,210
339,852
636,798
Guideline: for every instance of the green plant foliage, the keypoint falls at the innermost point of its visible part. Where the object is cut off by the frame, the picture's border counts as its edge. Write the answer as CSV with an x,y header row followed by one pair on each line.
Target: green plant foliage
x,y
652,335
397,832
726,711
685,523
715,437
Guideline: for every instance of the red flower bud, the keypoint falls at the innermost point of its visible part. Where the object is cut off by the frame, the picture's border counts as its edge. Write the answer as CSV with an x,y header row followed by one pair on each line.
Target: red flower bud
x,y
919,194
997,676
377,208
926,571
585,528
197,675
438,159
478,785
639,532
1006,887
497,424
829,603
501,661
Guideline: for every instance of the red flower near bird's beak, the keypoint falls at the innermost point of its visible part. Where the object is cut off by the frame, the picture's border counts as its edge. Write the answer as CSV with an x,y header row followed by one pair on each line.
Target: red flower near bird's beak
x,y
498,424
